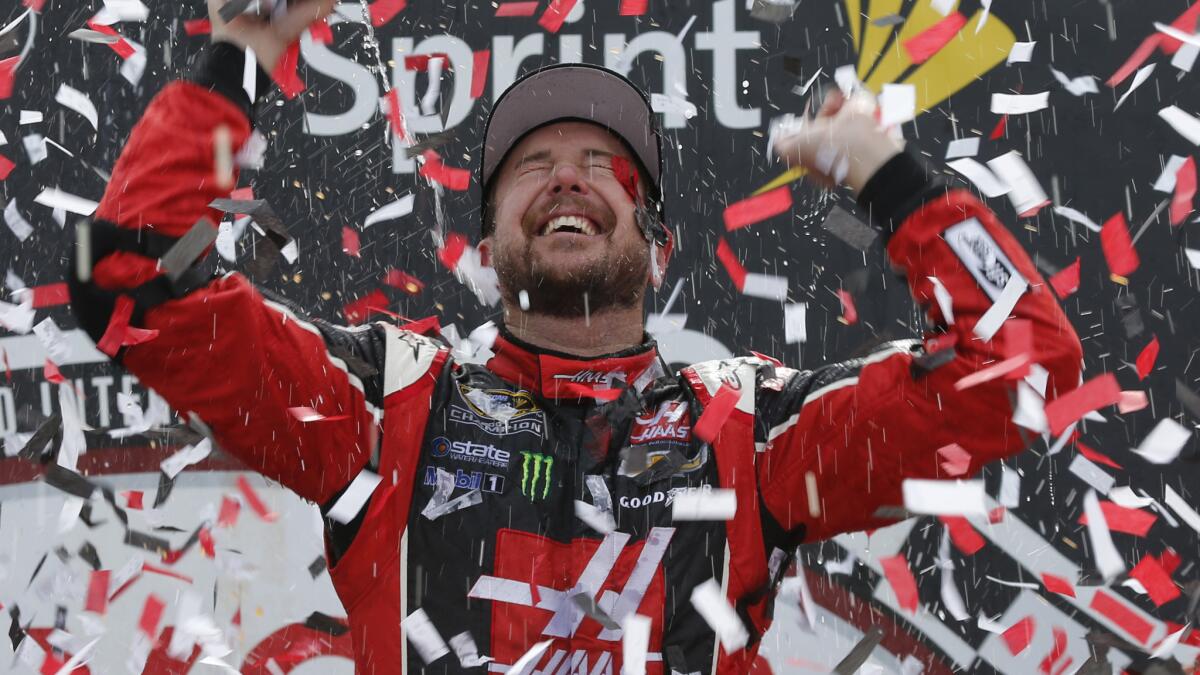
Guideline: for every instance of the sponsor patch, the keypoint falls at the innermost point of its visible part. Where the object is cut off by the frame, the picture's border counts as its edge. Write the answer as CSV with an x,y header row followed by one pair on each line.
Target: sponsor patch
x,y
664,497
670,424
477,453
499,412
981,255
469,480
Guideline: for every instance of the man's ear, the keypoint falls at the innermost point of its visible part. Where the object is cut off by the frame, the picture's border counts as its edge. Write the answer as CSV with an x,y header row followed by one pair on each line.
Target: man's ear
x,y
485,251
658,267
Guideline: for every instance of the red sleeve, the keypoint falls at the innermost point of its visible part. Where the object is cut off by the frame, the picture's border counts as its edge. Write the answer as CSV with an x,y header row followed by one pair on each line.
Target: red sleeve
x,y
839,441
223,352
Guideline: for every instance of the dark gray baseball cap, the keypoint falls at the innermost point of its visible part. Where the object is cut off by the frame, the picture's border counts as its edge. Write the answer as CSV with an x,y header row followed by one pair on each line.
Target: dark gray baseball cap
x,y
572,91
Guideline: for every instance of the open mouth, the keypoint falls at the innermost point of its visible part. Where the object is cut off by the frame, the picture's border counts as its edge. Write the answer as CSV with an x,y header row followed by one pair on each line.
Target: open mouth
x,y
569,224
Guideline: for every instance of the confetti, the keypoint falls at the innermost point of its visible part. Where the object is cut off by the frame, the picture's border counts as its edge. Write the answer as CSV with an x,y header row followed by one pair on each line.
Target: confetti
x,y
255,502
757,208
719,504
900,577
354,497
556,13
1018,636
1066,281
718,410
1068,408
931,40
1185,124
1119,253
719,615
1164,443
944,497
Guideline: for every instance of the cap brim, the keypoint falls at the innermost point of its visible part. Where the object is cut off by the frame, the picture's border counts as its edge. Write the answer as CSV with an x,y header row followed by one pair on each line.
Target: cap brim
x,y
566,92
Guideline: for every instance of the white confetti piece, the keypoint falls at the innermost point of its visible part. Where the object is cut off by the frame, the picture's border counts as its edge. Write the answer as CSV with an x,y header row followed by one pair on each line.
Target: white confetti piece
x,y
1193,257
347,507
35,147
674,105
943,7
766,286
951,598
1171,31
712,606
635,643
30,117
995,316
1030,411
1124,496
1163,444
79,102
1177,504
1169,643
467,652
1076,216
1186,125
53,340
1166,179
1010,488
944,301
57,199
16,222
1020,104
397,209
719,504
1185,57
1021,52
1141,76
424,636
795,323
1088,472
1076,86
18,318
1026,195
1104,552
186,457
980,176
963,147
945,497
529,660
135,66
598,520
897,104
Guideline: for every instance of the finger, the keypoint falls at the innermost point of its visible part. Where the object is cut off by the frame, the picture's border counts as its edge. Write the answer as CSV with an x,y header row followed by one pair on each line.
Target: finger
x,y
833,102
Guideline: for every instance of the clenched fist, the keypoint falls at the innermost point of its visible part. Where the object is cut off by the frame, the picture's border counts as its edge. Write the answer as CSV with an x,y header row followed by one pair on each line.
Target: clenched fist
x,y
268,36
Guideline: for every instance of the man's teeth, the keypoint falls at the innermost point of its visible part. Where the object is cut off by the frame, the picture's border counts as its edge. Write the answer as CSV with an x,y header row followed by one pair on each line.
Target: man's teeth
x,y
575,222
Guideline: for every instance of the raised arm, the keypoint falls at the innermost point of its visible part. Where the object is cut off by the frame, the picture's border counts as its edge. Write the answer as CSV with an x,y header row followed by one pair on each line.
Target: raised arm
x,y
839,441
223,352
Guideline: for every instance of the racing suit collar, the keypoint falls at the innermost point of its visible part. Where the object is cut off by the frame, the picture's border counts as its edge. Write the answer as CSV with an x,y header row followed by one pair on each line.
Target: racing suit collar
x,y
560,375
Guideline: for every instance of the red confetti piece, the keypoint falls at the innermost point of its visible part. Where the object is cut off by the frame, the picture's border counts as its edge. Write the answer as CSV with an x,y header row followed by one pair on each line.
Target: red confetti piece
x,y
964,537
1121,519
999,130
1116,612
256,504
931,40
427,326
1156,581
404,281
1135,60
358,310
718,410
516,9
133,499
479,72
230,508
395,115
1145,360
8,75
6,167
1019,635
1066,281
382,11
152,613
1097,456
50,295
1016,366
448,177
1056,652
451,251
956,460
35,5
285,73
1185,191
849,311
51,373
421,61
758,208
1094,394
350,243
121,46
162,572
633,7
626,175
996,515
555,14
732,265
321,32
1132,401
895,568
97,592
208,545
1118,248
1057,584
197,27
119,333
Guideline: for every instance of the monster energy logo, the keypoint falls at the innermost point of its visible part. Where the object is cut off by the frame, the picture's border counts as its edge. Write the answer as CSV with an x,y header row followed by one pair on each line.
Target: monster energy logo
x,y
541,471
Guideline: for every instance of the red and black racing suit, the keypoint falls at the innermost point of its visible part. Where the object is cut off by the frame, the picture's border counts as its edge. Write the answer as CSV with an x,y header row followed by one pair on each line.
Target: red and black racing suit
x,y
810,454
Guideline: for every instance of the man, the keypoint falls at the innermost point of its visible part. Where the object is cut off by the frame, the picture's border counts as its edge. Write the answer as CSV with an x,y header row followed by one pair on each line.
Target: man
x,y
520,511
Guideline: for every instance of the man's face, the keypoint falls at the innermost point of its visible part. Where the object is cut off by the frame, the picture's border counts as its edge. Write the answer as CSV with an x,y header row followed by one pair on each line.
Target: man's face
x,y
564,226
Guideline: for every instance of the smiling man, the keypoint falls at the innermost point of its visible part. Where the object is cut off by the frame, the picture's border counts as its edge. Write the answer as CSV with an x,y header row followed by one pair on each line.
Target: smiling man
x,y
517,514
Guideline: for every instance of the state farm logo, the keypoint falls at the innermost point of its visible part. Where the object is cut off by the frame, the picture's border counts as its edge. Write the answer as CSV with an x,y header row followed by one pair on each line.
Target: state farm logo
x,y
479,453
670,423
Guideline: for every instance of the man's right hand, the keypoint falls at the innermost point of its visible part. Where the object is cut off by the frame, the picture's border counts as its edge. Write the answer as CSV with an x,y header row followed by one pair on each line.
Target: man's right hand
x,y
269,38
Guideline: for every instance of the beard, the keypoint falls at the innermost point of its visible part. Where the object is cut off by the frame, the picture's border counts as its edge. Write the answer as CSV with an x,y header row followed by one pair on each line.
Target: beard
x,y
615,280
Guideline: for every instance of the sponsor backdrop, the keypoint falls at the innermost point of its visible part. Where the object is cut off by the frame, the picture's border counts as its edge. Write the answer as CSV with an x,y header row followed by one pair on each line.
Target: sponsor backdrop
x,y
721,71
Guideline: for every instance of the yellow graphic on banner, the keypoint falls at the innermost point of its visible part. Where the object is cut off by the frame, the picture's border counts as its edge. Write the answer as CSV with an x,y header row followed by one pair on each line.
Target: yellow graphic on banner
x,y
882,58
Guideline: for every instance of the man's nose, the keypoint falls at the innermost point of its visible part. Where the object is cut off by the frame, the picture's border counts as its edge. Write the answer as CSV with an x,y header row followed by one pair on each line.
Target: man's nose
x,y
566,177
